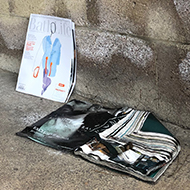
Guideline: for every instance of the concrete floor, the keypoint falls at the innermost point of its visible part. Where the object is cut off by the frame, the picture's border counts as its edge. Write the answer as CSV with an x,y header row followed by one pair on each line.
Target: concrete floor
x,y
25,164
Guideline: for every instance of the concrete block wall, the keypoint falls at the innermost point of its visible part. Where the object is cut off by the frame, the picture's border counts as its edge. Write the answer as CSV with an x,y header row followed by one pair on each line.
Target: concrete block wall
x,y
130,52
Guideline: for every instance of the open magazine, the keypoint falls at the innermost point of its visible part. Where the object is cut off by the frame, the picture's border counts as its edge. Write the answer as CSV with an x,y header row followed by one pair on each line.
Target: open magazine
x,y
124,139
48,67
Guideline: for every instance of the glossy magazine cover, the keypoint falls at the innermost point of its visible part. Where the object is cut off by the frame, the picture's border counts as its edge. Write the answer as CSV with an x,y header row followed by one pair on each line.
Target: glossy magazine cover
x,y
48,66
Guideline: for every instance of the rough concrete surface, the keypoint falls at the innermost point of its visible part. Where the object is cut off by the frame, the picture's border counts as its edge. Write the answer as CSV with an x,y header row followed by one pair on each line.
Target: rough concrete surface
x,y
134,53
165,20
25,164
150,18
129,52
13,38
148,75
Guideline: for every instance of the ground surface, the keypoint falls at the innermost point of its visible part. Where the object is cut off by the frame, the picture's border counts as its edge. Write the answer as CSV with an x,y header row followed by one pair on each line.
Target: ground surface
x,y
28,165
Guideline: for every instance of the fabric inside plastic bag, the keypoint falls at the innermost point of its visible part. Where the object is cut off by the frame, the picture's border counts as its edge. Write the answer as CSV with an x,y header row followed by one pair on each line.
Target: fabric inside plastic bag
x,y
124,139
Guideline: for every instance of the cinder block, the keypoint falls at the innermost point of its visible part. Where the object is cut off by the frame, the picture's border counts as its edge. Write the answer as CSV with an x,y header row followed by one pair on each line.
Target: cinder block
x,y
10,59
161,20
13,31
5,7
173,83
117,69
77,11
183,10
58,8
10,62
129,52
101,46
184,71
122,70
25,7
148,18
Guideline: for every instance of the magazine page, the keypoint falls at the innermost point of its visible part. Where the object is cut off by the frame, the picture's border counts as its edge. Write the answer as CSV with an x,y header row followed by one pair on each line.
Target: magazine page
x,y
124,139
48,66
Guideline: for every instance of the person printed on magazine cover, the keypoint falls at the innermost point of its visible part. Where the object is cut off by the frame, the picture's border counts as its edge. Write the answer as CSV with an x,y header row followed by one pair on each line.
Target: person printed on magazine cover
x,y
50,59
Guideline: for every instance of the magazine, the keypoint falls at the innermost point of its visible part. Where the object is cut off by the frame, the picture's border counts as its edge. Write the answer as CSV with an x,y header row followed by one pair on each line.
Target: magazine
x,y
124,139
48,66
